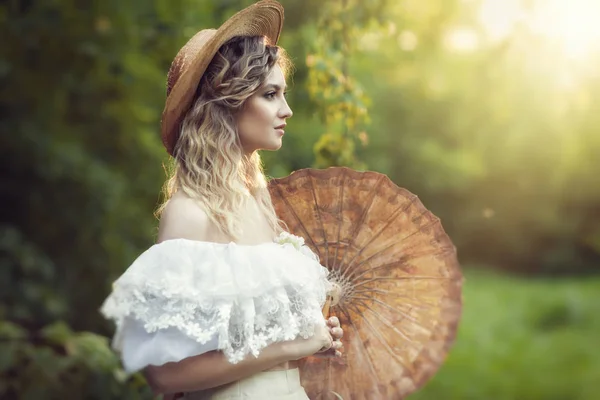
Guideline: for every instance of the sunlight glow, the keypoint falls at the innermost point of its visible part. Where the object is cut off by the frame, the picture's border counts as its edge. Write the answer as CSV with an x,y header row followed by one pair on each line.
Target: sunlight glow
x,y
499,17
462,40
408,41
571,24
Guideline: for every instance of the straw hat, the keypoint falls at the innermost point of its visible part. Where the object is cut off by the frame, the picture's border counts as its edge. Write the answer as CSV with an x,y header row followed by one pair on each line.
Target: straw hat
x,y
264,18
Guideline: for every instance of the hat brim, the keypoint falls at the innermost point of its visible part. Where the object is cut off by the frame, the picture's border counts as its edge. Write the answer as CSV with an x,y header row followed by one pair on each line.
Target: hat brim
x,y
264,18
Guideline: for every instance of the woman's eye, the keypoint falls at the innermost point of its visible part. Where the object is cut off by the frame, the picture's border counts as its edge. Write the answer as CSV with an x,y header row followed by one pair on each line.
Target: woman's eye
x,y
270,95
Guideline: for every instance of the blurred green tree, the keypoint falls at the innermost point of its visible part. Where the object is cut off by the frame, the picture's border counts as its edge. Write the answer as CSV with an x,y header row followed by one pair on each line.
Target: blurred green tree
x,y
82,89
339,98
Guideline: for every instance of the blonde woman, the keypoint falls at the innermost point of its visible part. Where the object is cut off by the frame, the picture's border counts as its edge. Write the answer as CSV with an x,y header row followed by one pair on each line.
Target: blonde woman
x,y
226,302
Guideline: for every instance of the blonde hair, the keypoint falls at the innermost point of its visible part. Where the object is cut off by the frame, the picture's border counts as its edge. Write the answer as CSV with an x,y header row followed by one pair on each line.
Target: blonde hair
x,y
209,163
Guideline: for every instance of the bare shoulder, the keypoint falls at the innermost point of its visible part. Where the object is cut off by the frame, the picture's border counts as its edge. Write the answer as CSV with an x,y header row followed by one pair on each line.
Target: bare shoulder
x,y
183,218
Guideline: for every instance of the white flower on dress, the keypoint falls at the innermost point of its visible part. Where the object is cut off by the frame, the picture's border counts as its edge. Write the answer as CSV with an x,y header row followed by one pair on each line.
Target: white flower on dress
x,y
298,243
286,237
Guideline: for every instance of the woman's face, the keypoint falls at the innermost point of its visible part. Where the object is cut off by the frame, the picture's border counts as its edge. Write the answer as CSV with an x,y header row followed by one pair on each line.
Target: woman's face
x,y
261,122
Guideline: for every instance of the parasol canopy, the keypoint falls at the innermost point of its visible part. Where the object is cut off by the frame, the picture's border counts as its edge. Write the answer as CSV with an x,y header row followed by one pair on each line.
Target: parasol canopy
x,y
400,299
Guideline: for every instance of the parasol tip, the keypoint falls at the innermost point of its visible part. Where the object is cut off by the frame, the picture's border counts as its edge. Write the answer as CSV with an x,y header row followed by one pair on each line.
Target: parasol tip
x,y
335,293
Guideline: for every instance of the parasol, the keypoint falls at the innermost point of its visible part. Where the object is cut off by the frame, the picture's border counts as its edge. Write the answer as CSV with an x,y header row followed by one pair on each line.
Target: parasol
x,y
400,281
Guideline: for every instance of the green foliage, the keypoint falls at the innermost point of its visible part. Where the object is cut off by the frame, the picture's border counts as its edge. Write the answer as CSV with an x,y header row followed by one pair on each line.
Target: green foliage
x,y
522,339
27,281
341,101
57,363
81,95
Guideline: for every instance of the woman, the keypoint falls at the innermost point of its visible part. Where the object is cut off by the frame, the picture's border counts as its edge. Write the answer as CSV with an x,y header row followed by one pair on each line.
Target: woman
x,y
226,302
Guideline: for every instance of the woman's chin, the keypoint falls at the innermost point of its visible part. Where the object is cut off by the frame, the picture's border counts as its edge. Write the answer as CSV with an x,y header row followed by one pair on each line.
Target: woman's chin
x,y
273,146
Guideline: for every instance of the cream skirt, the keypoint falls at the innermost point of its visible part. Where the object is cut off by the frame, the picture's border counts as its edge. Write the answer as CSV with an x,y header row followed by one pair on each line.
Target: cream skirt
x,y
268,385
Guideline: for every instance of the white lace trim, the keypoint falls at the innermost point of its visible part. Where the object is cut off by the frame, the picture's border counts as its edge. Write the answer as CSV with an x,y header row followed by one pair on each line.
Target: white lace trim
x,y
246,296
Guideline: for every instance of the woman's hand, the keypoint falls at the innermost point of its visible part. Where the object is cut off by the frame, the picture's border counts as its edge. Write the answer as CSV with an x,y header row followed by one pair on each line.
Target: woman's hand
x,y
324,343
336,333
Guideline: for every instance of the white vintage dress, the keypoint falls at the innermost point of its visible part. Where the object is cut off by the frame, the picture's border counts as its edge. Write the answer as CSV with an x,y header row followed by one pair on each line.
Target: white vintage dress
x,y
182,298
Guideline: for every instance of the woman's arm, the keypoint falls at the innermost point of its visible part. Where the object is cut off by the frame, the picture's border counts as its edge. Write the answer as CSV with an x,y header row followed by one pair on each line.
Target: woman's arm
x,y
212,369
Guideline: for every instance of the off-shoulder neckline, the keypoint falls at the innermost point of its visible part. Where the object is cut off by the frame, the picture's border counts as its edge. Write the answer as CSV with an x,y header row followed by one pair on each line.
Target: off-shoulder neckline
x,y
219,244
276,240
280,240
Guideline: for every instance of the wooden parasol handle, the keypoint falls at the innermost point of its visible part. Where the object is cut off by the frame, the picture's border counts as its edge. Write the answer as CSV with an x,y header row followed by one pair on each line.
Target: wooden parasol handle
x,y
327,306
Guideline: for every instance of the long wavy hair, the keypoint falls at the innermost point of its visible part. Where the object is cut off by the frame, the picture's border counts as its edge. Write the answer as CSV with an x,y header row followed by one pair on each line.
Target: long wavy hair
x,y
209,164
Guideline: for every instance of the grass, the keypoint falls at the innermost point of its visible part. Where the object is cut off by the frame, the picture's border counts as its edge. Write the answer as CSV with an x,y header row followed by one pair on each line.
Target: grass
x,y
523,339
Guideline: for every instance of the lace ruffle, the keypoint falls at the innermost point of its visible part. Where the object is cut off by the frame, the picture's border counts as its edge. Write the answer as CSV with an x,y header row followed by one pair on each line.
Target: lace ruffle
x,y
246,296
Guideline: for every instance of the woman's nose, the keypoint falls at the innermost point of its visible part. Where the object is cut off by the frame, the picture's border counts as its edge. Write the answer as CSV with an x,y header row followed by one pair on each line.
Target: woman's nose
x,y
286,111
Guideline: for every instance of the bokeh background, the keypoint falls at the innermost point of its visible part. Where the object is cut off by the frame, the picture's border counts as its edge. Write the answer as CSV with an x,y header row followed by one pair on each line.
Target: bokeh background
x,y
489,110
